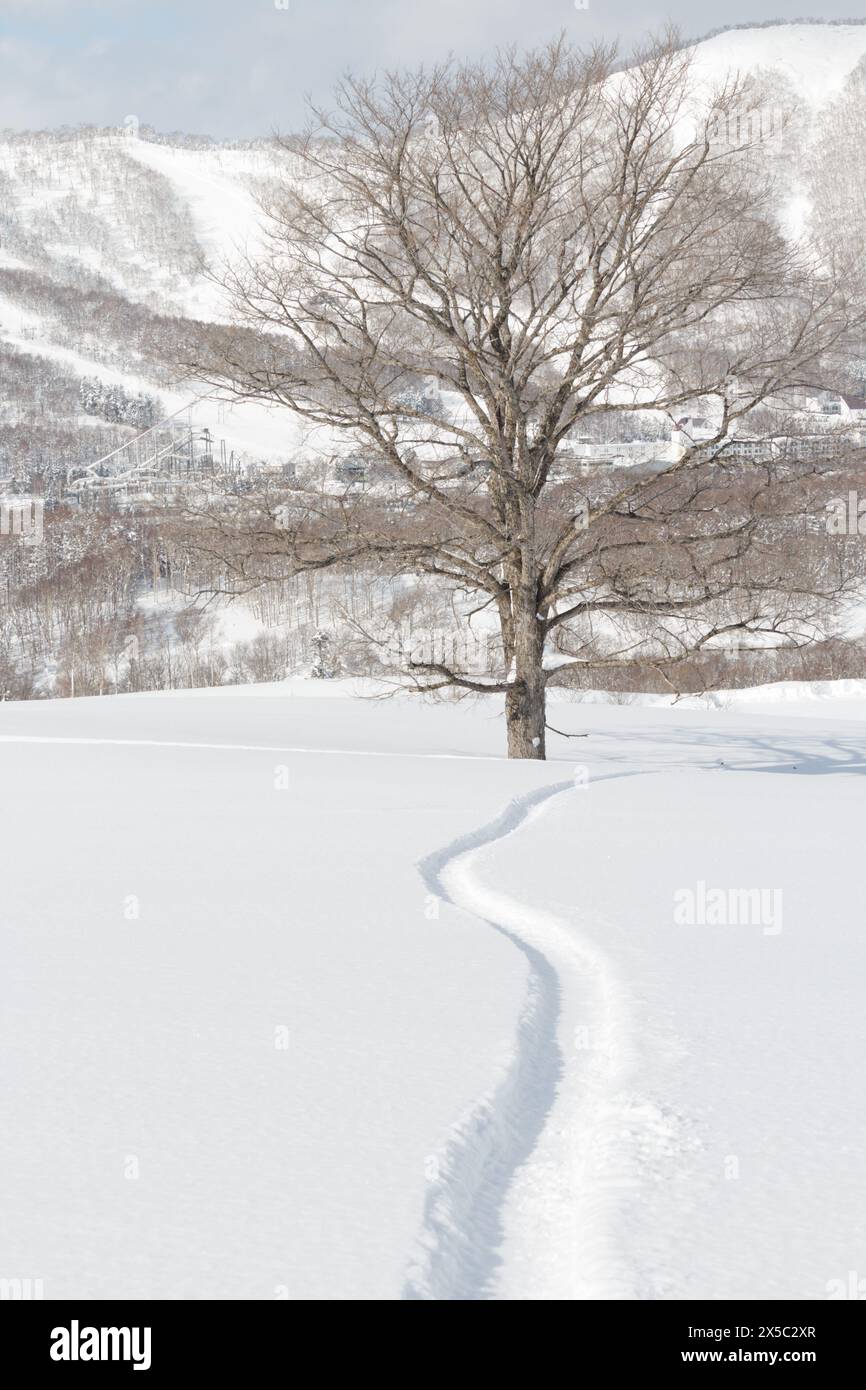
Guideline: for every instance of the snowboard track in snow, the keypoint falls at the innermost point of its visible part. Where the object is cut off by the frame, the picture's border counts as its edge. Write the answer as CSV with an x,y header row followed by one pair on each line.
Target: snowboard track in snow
x,y
496,1142
460,1241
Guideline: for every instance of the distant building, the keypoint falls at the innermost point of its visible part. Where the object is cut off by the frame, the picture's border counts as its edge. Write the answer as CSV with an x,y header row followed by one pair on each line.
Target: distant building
x,y
763,449
855,406
749,447
351,470
812,446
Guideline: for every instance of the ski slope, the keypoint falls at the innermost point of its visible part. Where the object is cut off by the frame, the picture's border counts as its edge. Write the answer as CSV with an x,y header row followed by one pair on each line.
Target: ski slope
x,y
815,58
311,995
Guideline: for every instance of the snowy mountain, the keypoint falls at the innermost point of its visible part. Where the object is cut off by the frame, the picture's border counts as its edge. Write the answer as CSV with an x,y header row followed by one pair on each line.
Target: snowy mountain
x,y
104,235
816,59
110,242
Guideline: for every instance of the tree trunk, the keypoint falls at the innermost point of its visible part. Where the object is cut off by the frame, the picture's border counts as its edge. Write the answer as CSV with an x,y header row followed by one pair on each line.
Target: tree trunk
x,y
525,700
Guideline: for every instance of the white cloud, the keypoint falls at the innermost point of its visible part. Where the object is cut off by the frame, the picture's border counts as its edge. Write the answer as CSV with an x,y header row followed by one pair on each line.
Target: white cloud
x,y
242,66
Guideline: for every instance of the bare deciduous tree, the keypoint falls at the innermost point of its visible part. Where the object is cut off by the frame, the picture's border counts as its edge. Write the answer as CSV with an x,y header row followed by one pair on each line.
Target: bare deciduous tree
x,y
476,262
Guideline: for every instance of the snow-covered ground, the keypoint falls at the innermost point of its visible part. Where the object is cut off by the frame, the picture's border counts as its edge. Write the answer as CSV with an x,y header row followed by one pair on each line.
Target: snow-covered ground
x,y
814,58
313,996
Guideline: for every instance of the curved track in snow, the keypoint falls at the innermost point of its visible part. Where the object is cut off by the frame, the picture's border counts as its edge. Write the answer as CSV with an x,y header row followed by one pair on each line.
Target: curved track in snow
x,y
522,1197
524,1193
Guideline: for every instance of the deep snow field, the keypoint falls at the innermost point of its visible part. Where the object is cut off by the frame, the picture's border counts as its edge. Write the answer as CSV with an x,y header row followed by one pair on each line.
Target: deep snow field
x,y
312,995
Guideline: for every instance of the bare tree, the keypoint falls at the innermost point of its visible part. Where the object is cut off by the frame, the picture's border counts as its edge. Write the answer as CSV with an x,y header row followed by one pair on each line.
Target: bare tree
x,y
472,264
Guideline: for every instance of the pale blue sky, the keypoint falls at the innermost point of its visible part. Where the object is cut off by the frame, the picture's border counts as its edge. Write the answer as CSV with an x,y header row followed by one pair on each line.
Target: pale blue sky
x,y
242,67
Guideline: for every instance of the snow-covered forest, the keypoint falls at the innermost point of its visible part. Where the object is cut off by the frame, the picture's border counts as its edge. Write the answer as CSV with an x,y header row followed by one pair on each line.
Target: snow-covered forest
x,y
113,243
